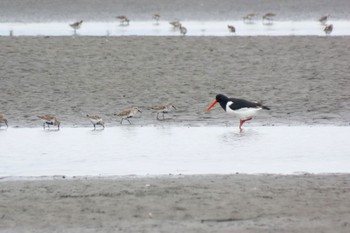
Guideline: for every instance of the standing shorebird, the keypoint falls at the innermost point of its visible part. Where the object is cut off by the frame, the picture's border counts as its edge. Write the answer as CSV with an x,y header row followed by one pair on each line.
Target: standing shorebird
x,y
249,18
76,26
3,120
323,19
268,18
49,119
127,113
328,29
96,120
123,20
163,109
156,17
176,24
183,30
244,109
231,28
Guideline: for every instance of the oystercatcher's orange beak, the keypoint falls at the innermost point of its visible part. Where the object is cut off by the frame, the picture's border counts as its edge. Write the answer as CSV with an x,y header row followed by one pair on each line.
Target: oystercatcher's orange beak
x,y
212,105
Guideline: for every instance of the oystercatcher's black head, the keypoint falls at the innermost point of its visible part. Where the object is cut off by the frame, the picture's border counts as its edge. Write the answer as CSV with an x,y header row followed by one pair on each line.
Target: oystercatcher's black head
x,y
221,99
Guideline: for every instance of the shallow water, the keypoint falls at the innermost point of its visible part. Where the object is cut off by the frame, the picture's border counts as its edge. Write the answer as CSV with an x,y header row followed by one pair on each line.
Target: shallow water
x,y
163,28
163,150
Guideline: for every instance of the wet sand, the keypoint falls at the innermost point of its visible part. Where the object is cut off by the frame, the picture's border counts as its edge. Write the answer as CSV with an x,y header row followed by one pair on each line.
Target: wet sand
x,y
305,80
106,10
211,203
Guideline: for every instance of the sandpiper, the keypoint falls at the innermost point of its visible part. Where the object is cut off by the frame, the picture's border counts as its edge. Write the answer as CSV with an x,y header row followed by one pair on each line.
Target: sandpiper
x,y
183,30
176,24
156,17
249,17
328,29
3,120
49,119
96,120
163,109
323,19
231,28
123,20
128,113
76,25
269,17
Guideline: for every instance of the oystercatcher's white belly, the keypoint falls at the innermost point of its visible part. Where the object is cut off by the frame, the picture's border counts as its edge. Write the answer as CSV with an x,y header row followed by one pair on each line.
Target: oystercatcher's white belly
x,y
243,113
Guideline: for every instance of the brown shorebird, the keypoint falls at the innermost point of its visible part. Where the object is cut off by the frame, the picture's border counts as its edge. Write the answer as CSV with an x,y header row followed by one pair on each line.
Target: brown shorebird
x,y
163,109
96,120
323,19
249,17
127,113
3,120
156,17
123,19
76,26
231,28
328,29
176,24
183,30
49,119
269,17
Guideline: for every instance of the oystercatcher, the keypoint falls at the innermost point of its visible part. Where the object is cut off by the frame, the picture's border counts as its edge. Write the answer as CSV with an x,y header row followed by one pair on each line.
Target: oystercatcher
x,y
244,109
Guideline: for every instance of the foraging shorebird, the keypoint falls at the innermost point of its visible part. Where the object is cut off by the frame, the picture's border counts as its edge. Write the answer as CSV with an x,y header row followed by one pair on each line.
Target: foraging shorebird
x,y
244,109
323,19
176,24
96,120
183,30
249,17
123,19
269,17
76,26
328,29
127,113
163,109
3,120
49,119
156,17
231,28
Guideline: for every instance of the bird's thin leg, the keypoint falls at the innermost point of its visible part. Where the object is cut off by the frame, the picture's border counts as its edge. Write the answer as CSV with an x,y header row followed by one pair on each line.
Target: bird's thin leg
x,y
44,125
121,122
128,121
157,115
241,122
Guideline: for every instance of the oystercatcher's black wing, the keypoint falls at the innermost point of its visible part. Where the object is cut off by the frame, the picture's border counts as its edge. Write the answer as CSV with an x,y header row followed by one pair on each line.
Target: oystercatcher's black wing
x,y
240,103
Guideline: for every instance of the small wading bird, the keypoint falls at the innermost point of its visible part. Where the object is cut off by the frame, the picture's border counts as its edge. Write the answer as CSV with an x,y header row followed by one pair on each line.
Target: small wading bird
x,y
3,120
156,17
244,109
76,26
127,113
49,119
328,29
231,28
123,20
183,30
163,109
176,24
268,18
323,19
96,120
249,17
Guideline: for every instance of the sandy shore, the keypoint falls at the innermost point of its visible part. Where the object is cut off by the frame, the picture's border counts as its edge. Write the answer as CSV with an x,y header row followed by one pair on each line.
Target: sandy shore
x,y
106,10
305,80
230,203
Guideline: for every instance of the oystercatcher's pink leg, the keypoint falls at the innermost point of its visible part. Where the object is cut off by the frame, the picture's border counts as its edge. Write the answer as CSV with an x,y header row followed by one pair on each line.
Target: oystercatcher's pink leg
x,y
241,122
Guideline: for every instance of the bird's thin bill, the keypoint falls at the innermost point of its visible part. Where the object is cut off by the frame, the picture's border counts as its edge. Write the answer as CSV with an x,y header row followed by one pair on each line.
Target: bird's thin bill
x,y
212,105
